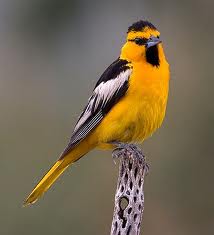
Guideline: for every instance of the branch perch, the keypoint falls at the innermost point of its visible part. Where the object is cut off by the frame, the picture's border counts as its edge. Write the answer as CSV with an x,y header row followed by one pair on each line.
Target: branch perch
x,y
129,197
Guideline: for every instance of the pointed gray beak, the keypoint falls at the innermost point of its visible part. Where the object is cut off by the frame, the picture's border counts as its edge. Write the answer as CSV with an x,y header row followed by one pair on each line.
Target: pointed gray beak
x,y
152,41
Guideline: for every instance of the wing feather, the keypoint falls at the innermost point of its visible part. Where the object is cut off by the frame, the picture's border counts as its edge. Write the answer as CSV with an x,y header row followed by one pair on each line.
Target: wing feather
x,y
110,88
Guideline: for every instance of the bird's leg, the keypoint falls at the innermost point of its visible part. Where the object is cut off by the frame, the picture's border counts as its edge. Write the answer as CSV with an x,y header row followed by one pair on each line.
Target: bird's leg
x,y
123,148
120,150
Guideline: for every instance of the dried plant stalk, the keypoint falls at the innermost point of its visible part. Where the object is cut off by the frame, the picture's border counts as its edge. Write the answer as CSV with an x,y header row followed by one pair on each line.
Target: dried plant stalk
x,y
129,198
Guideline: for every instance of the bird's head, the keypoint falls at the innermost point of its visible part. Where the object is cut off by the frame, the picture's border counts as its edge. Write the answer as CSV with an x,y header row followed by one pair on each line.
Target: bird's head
x,y
143,44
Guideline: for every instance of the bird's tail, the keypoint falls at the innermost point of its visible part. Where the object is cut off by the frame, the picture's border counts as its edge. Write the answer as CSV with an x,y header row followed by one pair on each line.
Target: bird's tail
x,y
56,170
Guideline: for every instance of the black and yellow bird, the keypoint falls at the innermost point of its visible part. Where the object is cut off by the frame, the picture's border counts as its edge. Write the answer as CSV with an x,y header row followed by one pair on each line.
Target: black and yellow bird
x,y
127,104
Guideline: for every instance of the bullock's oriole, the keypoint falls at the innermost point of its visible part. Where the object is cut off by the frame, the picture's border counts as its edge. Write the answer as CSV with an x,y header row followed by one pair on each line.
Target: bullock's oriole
x,y
127,105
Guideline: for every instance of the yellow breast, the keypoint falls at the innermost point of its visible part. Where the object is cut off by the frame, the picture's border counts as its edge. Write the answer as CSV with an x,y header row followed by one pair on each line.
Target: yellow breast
x,y
141,111
149,93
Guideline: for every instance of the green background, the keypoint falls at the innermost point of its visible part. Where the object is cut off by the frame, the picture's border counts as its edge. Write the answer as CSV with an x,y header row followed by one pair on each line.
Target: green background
x,y
51,55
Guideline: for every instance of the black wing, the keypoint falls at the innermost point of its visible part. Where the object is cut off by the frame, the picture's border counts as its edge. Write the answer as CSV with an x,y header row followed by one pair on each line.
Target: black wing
x,y
110,88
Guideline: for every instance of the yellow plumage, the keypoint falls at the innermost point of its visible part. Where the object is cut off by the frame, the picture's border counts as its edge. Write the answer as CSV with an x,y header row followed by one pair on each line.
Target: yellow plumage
x,y
57,169
133,118
141,111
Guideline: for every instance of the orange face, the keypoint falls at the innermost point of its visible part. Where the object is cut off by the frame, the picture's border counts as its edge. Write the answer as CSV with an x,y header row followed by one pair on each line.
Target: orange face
x,y
143,45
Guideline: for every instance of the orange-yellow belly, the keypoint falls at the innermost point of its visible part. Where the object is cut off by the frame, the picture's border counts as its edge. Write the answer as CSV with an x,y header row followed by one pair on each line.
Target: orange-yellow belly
x,y
140,112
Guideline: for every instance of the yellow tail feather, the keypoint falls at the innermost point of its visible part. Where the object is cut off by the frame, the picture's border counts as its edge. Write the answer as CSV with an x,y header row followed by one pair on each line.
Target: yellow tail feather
x,y
56,170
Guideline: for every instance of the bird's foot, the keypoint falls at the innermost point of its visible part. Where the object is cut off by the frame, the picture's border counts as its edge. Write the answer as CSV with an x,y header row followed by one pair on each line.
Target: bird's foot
x,y
125,148
121,149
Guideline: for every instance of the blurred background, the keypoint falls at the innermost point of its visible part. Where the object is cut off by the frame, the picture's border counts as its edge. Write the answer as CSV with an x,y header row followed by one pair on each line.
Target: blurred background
x,y
51,55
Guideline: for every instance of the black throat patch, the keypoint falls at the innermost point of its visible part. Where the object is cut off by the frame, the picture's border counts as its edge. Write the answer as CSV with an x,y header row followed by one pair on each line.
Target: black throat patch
x,y
152,56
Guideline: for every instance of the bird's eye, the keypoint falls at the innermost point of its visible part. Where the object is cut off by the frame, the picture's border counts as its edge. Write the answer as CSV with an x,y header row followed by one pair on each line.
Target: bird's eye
x,y
140,41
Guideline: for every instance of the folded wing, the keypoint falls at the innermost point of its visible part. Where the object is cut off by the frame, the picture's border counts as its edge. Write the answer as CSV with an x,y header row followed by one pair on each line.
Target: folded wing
x,y
110,88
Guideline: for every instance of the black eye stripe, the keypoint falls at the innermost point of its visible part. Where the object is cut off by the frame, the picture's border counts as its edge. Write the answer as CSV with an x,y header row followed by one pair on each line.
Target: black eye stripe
x,y
139,41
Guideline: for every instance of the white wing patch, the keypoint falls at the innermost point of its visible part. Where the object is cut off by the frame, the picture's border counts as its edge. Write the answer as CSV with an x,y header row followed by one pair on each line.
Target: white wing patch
x,y
102,94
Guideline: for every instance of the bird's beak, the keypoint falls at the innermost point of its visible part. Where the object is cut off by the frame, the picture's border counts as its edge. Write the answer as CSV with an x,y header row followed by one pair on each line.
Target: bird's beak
x,y
152,41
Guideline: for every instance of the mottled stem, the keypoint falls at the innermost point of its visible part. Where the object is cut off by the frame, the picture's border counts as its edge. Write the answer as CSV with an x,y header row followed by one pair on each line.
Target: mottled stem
x,y
129,197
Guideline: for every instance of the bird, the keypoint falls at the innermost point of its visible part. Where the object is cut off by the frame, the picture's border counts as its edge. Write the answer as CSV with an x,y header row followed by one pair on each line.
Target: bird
x,y
128,103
